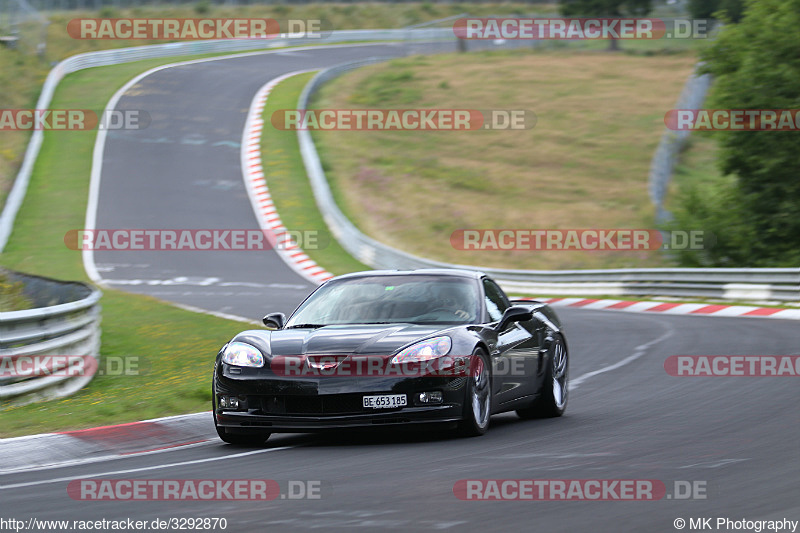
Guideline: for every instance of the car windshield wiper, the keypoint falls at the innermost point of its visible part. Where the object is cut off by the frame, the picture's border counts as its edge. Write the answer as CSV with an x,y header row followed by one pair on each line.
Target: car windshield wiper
x,y
307,326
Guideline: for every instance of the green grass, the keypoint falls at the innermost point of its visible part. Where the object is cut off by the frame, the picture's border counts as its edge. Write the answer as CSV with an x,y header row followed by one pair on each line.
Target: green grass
x,y
176,347
22,72
584,164
12,296
697,165
289,185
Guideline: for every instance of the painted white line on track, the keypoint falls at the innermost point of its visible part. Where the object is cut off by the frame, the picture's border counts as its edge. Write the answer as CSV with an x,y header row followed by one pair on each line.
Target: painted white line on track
x,y
105,458
638,352
99,145
142,469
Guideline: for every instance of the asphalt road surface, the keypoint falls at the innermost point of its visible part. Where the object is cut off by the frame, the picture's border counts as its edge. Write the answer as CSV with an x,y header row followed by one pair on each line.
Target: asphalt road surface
x,y
734,438
183,172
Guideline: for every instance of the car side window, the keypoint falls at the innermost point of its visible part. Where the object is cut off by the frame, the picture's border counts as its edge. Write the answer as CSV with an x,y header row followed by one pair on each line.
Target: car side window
x,y
496,301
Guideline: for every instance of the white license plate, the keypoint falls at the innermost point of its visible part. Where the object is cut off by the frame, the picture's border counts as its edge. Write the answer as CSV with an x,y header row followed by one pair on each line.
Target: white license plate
x,y
385,401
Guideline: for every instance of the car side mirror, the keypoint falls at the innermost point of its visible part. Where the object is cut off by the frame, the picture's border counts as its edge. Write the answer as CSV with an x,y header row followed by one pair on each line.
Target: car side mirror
x,y
515,313
274,320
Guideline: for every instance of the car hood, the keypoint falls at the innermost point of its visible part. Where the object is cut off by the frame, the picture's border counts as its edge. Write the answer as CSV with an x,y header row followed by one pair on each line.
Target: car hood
x,y
381,339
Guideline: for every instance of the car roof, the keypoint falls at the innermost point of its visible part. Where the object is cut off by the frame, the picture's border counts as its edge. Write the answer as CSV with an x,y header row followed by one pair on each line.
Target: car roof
x,y
444,272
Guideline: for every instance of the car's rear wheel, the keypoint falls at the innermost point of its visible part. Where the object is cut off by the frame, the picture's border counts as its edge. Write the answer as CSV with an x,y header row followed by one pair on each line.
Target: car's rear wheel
x,y
552,400
478,402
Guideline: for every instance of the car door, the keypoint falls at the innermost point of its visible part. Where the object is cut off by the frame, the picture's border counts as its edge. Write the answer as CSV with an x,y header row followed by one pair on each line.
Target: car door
x,y
515,354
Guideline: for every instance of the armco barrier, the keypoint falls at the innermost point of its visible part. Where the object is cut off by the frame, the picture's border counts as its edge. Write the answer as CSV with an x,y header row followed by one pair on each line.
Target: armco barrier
x,y
734,284
64,321
118,56
669,147
781,284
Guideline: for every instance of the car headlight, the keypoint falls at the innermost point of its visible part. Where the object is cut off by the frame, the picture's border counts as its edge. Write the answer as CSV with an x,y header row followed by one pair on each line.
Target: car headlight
x,y
424,351
241,354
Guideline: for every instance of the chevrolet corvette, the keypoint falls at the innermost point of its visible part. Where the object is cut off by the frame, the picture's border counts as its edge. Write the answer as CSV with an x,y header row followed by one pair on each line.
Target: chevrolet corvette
x,y
393,348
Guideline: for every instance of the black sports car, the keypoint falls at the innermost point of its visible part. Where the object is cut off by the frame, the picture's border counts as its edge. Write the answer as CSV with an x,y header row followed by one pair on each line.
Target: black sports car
x,y
392,347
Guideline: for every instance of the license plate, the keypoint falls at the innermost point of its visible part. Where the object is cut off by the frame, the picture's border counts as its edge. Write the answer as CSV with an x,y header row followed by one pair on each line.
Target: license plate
x,y
385,401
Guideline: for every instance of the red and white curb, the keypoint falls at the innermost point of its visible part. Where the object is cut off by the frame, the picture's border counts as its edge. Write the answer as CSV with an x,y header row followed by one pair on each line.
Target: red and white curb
x,y
260,198
669,308
105,442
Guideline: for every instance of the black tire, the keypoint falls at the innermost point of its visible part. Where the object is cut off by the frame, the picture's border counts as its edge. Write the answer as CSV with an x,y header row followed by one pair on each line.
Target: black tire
x,y
552,402
240,439
478,398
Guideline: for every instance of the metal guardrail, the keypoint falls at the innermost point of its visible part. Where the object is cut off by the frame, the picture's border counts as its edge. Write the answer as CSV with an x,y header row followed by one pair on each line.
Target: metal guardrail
x,y
735,284
666,156
724,283
118,56
65,321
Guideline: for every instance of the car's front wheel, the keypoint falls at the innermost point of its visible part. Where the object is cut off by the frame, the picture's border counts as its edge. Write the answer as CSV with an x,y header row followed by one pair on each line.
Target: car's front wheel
x,y
478,402
241,439
552,400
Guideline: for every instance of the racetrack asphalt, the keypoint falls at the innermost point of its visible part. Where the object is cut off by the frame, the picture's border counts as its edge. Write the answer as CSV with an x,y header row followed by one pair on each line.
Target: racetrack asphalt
x,y
184,172
735,436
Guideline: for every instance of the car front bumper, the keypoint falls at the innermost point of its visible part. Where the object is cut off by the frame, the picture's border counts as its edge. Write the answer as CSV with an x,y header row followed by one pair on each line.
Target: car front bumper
x,y
300,405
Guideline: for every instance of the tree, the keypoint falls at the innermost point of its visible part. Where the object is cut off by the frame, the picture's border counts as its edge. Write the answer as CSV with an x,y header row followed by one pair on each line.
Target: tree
x,y
703,9
730,10
606,8
756,65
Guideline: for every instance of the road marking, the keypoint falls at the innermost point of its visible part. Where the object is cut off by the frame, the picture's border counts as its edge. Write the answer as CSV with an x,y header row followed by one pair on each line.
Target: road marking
x,y
257,187
100,140
638,352
142,469
104,458
715,464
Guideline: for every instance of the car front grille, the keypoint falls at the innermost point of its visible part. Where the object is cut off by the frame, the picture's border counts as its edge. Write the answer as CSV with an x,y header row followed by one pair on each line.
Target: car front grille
x,y
329,404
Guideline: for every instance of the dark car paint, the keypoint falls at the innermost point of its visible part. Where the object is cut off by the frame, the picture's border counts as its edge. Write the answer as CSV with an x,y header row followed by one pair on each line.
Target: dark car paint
x,y
520,345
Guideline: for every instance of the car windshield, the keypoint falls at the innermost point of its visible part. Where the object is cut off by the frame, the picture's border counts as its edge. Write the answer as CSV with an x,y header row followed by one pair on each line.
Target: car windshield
x,y
416,299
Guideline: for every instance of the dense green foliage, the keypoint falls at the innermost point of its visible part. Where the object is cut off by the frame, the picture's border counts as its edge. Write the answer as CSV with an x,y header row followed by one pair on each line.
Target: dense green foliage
x,y
755,210
605,8
731,10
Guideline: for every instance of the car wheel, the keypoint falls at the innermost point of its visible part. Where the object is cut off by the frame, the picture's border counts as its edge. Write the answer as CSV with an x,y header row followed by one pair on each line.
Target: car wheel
x,y
241,439
478,401
552,400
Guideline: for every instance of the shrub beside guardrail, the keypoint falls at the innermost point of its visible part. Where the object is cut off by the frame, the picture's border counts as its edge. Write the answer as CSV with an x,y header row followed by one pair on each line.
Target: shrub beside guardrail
x,y
118,56
64,321
667,154
782,284
732,284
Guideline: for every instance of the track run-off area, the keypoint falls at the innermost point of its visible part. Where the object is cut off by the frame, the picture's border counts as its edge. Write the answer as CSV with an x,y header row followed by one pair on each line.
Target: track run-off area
x,y
733,438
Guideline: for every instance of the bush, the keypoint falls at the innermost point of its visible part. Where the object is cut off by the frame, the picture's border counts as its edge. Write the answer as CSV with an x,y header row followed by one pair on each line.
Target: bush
x,y
12,297
202,7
